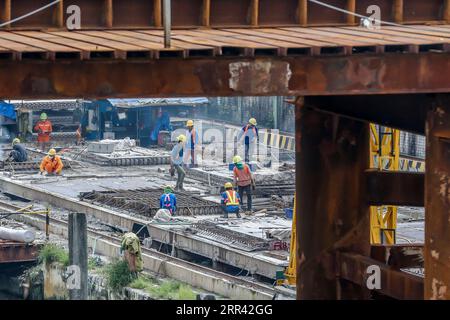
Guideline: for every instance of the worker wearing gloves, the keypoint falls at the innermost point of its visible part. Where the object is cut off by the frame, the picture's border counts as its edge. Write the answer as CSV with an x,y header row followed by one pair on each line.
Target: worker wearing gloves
x,y
44,130
176,159
168,200
51,164
244,179
19,153
250,134
230,201
191,143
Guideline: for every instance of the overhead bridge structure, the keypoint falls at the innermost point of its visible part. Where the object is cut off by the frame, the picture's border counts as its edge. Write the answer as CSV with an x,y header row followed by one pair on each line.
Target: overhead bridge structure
x,y
344,76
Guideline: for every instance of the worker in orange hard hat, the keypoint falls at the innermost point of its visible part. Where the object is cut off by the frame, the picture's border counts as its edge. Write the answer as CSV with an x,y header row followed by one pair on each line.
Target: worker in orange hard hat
x,y
51,164
191,142
44,129
250,132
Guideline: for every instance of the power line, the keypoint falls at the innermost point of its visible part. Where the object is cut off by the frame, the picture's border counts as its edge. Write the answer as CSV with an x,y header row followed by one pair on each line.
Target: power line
x,y
30,13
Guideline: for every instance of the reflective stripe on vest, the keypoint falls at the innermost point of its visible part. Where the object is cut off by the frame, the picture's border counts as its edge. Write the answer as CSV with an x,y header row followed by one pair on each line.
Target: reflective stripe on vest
x,y
232,198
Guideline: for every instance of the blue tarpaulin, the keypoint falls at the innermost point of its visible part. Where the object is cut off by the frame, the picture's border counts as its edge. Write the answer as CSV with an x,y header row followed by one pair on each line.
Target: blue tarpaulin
x,y
7,110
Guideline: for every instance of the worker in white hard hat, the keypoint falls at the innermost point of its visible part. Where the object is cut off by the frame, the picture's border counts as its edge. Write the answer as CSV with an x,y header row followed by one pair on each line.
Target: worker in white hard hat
x,y
176,158
18,153
51,164
250,134
191,143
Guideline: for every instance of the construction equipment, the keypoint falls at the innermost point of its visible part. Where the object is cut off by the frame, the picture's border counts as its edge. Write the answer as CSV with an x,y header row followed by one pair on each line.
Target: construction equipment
x,y
384,155
291,270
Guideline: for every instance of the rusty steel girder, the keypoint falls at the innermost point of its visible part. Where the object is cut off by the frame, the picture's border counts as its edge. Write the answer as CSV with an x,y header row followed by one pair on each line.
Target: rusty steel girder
x,y
101,14
356,74
11,252
437,202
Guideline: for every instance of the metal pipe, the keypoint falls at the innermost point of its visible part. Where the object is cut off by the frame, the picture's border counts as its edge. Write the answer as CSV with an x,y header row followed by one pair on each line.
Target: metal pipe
x,y
167,22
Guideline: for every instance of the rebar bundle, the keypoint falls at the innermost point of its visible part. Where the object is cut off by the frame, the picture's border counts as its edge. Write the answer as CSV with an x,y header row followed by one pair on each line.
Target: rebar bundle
x,y
146,202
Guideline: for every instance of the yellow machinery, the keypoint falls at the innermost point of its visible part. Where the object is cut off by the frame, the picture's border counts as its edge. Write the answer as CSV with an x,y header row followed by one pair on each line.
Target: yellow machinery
x,y
384,155
291,270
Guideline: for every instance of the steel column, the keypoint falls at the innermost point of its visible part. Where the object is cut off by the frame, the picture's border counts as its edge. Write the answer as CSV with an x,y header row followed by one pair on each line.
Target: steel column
x,y
437,202
332,155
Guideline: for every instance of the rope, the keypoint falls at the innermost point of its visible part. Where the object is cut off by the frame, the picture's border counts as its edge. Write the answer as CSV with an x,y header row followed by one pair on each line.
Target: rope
x,y
30,13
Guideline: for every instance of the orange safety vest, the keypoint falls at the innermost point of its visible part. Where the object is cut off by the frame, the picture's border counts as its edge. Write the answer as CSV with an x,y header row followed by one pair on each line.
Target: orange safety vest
x,y
232,199
246,129
244,176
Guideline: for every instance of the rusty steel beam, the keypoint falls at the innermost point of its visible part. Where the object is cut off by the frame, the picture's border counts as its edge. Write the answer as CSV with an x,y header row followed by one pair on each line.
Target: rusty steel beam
x,y
12,252
395,284
399,256
102,14
226,77
331,160
374,108
395,188
437,202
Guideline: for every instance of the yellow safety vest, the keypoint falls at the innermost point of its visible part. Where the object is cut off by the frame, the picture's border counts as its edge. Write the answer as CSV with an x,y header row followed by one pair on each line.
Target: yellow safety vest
x,y
232,198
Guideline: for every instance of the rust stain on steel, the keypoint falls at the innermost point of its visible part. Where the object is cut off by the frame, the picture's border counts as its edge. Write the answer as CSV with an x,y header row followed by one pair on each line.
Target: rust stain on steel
x,y
260,76
437,201
11,252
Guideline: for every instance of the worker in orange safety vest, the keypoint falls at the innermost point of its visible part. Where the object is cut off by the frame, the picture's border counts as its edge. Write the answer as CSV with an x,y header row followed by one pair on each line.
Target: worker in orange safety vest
x,y
44,130
51,164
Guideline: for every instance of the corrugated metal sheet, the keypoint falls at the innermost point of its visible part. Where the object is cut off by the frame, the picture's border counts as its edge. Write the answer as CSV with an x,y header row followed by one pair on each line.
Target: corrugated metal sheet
x,y
137,103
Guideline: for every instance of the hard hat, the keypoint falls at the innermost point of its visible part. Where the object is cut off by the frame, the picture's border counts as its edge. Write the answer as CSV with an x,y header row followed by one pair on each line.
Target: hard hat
x,y
228,185
168,189
181,138
52,152
189,123
237,159
252,121
15,141
44,116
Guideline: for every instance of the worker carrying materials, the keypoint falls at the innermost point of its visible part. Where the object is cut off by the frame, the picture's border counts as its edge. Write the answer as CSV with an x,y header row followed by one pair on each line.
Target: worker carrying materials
x,y
51,164
44,130
244,179
168,200
131,247
176,159
251,136
191,143
230,201
19,153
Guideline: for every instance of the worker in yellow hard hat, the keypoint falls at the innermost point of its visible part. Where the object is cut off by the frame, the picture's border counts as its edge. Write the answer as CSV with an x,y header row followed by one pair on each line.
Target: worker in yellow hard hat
x,y
51,164
244,179
191,143
18,153
230,201
176,160
44,129
250,134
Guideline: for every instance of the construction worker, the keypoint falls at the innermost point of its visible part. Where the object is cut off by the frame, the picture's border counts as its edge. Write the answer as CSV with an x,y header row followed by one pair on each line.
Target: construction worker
x,y
51,164
44,130
177,160
244,179
19,153
230,201
192,141
168,200
131,247
250,134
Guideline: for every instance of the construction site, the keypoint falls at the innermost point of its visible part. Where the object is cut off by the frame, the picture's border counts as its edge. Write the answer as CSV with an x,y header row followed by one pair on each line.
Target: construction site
x,y
225,150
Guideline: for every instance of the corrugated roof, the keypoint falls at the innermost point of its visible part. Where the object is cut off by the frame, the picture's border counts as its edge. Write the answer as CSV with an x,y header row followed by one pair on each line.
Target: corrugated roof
x,y
148,44
135,103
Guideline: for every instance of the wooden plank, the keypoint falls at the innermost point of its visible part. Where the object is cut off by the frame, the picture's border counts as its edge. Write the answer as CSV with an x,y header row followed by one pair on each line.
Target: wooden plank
x,y
254,18
180,44
398,11
206,13
157,15
48,46
302,12
108,13
18,46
